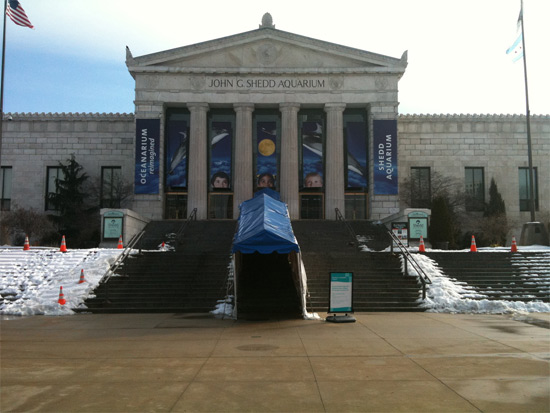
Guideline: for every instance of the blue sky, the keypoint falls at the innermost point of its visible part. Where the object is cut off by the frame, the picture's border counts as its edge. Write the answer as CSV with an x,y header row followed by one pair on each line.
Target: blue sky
x,y
73,61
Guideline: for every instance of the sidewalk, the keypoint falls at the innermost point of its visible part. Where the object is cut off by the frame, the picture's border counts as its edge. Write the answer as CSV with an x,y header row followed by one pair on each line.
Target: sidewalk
x,y
385,362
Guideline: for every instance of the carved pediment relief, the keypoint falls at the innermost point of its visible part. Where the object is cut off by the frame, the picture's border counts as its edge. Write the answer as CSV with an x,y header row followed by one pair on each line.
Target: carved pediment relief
x,y
265,49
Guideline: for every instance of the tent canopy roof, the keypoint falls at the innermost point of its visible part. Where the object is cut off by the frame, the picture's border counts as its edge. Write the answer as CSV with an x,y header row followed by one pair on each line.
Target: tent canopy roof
x,y
264,227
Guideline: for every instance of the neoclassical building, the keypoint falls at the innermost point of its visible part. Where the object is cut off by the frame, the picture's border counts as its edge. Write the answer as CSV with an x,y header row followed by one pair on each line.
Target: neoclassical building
x,y
316,121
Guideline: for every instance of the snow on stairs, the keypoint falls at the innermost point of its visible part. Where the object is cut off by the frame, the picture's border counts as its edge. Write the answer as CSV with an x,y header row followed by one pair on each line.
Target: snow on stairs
x,y
378,284
16,265
522,276
190,279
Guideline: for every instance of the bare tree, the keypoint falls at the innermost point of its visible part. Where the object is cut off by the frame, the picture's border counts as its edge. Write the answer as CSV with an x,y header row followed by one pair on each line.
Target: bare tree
x,y
21,222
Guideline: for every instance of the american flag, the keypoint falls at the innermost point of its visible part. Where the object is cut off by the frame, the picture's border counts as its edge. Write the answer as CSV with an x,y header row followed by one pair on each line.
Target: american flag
x,y
17,14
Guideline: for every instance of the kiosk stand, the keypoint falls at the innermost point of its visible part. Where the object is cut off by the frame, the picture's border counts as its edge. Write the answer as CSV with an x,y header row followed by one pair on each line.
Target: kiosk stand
x,y
341,297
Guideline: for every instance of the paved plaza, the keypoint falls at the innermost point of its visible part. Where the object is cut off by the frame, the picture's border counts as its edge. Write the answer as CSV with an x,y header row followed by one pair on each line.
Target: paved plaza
x,y
384,362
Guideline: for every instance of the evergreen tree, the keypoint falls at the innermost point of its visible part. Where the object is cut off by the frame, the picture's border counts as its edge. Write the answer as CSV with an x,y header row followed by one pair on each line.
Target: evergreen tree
x,y
441,222
495,224
69,199
496,204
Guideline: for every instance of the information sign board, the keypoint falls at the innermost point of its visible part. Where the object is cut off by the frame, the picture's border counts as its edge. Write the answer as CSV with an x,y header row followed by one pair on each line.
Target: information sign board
x,y
112,224
341,292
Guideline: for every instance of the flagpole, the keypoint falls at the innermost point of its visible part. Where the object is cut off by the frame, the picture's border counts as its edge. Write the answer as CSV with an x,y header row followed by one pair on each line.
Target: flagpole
x,y
528,117
2,79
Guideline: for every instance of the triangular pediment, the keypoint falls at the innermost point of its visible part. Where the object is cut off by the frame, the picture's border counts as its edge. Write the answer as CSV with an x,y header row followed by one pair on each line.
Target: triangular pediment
x,y
266,49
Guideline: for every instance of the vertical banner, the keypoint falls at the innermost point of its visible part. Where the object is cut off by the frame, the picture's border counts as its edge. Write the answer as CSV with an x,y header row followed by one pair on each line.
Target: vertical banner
x,y
266,158
177,146
341,292
146,179
312,155
220,155
385,157
356,142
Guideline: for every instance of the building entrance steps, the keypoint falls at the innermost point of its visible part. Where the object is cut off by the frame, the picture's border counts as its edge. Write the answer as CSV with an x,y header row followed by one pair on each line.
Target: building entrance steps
x,y
519,276
192,278
378,281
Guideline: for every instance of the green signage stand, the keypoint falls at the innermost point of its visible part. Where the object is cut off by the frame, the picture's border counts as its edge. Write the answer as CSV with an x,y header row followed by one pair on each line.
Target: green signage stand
x,y
341,297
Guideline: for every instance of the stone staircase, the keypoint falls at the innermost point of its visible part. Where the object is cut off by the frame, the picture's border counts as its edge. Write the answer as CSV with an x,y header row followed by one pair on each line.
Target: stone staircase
x,y
190,279
378,282
521,276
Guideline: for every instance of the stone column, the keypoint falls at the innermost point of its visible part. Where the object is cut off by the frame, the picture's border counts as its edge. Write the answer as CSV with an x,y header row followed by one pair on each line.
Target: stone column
x,y
334,161
243,180
288,181
197,187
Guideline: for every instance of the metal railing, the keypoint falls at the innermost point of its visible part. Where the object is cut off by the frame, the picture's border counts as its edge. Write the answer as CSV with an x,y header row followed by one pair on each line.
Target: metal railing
x,y
408,258
340,217
192,217
118,262
130,246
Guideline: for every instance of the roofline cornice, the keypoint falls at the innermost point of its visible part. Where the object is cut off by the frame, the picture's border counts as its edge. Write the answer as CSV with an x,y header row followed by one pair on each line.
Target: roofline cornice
x,y
471,117
265,71
76,116
258,34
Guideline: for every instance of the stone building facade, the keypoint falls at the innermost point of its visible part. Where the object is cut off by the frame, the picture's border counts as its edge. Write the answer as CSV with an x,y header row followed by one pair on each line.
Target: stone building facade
x,y
269,101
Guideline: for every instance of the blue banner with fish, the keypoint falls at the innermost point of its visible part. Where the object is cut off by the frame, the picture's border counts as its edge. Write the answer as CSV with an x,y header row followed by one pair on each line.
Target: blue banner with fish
x,y
147,156
385,156
312,155
221,144
356,142
266,159
177,147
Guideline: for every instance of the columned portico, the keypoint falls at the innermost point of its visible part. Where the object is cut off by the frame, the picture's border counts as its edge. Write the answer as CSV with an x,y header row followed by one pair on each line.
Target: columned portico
x,y
267,108
289,158
198,182
335,166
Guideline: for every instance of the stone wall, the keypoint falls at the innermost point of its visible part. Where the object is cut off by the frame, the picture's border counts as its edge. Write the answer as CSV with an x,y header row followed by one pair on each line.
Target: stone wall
x,y
498,143
31,142
445,143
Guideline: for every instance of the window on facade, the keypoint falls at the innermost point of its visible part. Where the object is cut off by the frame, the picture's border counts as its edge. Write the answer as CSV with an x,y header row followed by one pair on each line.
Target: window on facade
x,y
176,149
221,128
525,189
421,193
53,174
356,206
355,139
311,125
111,187
266,135
475,189
5,188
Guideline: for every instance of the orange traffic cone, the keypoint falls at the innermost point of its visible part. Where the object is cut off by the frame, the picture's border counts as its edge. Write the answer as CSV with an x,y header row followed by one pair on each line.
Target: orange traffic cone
x,y
473,247
63,245
82,280
120,246
421,247
514,245
61,300
27,246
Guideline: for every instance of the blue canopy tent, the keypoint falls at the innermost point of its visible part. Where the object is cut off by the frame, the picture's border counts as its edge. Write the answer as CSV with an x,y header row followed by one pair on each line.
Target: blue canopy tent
x,y
264,227
268,191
